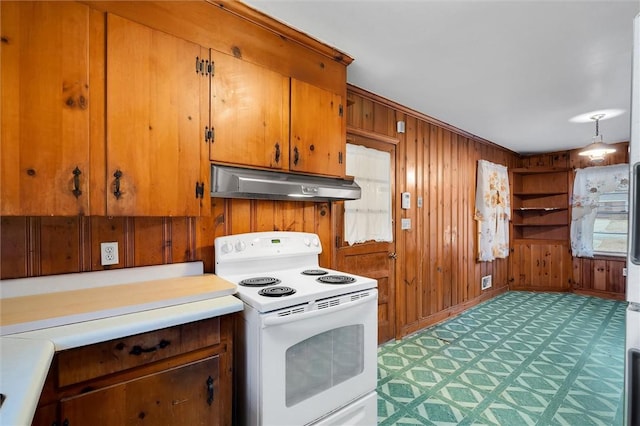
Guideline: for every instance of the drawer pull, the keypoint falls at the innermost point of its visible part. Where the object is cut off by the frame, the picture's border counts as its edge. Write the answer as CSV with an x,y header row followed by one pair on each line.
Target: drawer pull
x,y
210,390
138,350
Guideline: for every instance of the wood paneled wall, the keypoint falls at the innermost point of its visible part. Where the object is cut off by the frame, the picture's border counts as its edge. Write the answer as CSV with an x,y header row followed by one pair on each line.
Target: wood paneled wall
x,y
437,274
600,276
239,216
35,246
571,159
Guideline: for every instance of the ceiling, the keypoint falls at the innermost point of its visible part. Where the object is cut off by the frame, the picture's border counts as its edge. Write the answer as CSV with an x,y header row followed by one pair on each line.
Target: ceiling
x,y
514,72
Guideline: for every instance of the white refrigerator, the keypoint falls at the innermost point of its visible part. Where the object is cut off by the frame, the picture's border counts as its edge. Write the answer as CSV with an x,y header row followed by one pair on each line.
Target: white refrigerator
x,y
632,363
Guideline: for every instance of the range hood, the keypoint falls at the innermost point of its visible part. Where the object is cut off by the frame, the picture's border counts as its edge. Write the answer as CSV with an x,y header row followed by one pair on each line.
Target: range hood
x,y
236,182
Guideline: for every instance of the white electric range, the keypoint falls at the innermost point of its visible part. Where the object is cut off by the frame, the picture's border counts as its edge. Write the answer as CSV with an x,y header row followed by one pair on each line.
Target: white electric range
x,y
306,347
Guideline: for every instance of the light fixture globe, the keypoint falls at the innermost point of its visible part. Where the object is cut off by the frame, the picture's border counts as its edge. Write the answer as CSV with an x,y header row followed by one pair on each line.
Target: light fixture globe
x,y
597,149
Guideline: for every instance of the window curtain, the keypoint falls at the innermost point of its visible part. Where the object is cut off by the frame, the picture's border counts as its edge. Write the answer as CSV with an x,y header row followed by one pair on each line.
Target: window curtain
x,y
493,211
368,218
588,185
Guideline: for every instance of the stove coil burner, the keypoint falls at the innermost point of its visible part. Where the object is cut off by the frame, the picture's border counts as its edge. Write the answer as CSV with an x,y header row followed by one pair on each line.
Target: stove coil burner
x,y
259,282
276,291
314,272
336,279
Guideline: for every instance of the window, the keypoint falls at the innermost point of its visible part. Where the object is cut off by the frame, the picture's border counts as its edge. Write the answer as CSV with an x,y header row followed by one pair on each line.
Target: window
x,y
610,226
599,211
369,218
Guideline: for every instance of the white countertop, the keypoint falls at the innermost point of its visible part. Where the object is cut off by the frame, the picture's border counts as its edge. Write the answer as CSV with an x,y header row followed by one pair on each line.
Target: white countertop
x,y
24,365
26,356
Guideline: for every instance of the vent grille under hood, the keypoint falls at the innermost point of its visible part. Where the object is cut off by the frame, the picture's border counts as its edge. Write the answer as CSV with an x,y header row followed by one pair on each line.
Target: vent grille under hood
x,y
236,182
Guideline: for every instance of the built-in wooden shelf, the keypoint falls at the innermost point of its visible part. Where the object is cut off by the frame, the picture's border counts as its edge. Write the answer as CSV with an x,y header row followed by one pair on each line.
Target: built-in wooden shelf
x,y
540,203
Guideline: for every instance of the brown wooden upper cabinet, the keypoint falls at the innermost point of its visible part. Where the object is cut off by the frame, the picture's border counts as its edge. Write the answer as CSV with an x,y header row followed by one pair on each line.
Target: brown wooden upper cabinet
x,y
105,116
157,110
263,119
45,109
318,135
249,113
54,159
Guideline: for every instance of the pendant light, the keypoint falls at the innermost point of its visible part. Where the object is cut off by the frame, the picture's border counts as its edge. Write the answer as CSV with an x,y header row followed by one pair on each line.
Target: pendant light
x,y
597,149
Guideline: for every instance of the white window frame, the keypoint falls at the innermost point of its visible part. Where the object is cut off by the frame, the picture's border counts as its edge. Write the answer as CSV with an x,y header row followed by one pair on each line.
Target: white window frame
x,y
617,207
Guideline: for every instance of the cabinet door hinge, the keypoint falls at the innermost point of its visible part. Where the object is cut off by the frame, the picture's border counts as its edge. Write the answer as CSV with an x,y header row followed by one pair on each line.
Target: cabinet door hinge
x,y
211,68
337,241
209,134
340,110
340,157
204,67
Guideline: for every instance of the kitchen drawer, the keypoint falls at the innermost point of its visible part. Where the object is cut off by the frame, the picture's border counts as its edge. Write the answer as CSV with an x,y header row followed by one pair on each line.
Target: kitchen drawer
x,y
92,361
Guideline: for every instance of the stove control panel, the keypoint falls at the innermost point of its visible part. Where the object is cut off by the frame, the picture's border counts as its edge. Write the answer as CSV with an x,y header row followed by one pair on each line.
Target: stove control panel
x,y
266,247
311,241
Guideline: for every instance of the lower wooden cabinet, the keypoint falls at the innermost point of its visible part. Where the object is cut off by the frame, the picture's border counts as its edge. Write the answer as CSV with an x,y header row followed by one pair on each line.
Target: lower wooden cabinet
x,y
540,265
184,395
190,387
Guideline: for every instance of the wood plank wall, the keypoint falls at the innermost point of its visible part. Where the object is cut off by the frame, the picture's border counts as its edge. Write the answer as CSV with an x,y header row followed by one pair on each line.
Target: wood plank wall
x,y
600,276
436,272
35,246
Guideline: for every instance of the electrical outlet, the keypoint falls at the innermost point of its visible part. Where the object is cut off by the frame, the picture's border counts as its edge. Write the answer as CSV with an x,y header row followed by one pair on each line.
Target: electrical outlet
x,y
109,254
485,283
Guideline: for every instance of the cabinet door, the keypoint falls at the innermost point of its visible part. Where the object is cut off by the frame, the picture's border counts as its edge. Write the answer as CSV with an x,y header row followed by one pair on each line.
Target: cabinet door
x,y
45,108
249,113
187,395
45,415
540,266
153,122
318,135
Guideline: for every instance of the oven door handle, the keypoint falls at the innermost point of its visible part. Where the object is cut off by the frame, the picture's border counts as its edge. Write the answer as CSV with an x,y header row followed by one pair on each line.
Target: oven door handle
x,y
270,321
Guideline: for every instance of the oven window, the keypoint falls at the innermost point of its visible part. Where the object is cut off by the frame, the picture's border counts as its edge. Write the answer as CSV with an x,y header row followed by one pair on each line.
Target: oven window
x,y
323,361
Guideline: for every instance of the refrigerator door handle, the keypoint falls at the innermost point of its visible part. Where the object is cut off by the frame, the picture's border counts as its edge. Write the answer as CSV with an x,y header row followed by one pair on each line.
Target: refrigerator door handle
x,y
633,387
634,217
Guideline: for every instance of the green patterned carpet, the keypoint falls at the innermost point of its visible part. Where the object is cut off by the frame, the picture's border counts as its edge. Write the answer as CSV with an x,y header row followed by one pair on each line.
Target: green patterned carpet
x,y
522,358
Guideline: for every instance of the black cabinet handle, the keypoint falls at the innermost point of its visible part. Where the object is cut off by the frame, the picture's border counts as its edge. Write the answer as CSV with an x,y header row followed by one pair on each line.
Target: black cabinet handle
x,y
210,390
76,182
139,350
277,153
296,156
116,185
200,190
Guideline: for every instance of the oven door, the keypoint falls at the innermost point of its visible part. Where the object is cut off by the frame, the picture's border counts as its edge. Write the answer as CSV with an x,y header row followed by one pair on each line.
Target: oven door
x,y
318,361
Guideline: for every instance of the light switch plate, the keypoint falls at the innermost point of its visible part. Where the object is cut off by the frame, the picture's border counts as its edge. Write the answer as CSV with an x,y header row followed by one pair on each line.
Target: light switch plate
x,y
405,223
406,200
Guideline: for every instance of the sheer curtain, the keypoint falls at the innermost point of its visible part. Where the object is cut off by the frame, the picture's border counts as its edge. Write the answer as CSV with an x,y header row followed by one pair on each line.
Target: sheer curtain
x,y
493,211
368,218
588,185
